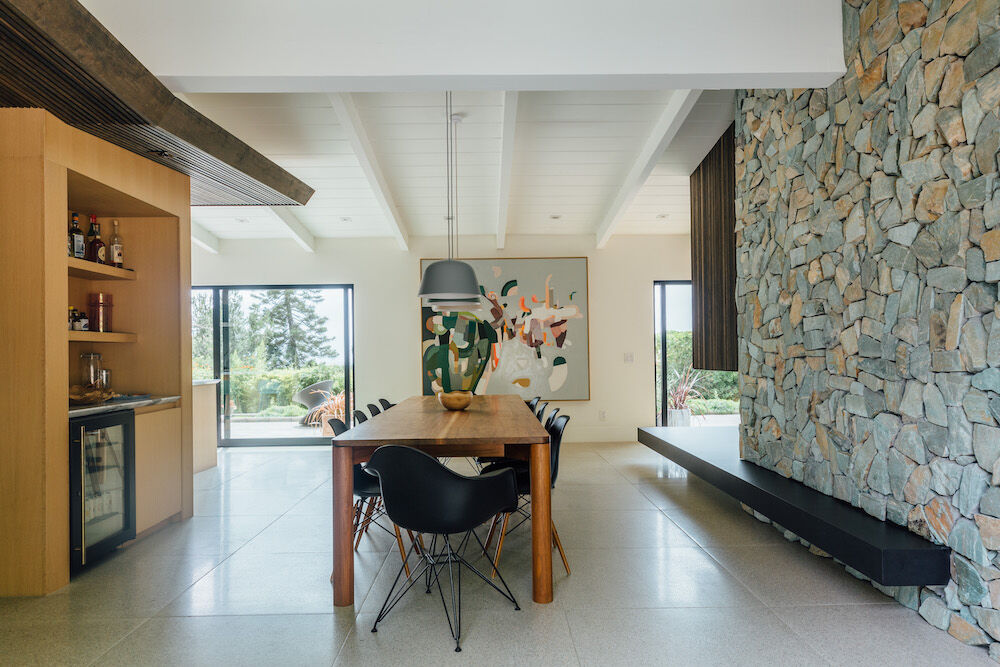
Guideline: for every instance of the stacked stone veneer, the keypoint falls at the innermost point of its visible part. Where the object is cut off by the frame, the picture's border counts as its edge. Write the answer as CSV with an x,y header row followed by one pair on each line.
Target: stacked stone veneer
x,y
868,236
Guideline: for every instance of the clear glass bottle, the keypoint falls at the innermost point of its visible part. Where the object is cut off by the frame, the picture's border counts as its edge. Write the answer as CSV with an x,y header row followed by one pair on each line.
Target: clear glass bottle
x,y
117,254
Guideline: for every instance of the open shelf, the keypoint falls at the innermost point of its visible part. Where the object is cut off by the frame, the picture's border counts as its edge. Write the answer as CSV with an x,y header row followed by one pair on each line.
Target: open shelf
x,y
101,337
81,268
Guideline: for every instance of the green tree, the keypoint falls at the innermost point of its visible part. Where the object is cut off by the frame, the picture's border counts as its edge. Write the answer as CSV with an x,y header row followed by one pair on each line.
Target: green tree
x,y
201,334
291,330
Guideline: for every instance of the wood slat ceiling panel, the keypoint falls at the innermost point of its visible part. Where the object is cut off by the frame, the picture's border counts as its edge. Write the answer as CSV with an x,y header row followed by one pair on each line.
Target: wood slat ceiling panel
x,y
57,57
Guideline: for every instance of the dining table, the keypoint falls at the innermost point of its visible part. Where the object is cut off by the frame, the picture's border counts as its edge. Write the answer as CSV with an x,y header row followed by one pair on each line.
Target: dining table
x,y
492,425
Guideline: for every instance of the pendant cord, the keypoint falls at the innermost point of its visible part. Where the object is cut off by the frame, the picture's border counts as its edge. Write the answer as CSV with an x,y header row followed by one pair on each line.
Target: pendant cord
x,y
448,166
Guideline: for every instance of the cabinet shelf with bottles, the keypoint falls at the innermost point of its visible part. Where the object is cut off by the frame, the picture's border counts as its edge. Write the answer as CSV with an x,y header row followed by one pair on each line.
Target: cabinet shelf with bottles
x,y
85,270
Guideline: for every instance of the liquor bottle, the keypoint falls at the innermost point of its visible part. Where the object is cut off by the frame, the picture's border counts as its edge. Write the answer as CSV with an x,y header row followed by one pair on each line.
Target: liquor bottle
x,y
77,244
96,250
117,255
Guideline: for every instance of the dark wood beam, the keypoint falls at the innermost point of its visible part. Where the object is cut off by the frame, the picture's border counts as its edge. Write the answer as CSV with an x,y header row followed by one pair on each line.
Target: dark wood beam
x,y
57,56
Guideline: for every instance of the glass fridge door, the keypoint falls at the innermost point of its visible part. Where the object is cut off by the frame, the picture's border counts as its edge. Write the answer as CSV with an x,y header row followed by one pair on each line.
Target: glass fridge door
x,y
103,484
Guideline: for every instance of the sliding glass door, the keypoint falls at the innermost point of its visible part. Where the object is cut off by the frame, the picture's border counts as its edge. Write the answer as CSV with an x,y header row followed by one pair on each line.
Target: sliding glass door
x,y
284,355
685,395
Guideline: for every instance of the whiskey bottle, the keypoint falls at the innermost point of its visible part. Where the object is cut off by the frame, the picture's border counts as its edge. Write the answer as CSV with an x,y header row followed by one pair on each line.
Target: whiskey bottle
x,y
117,255
77,243
96,250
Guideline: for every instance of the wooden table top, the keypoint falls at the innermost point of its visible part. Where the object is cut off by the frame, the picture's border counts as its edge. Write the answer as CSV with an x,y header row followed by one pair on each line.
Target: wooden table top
x,y
420,421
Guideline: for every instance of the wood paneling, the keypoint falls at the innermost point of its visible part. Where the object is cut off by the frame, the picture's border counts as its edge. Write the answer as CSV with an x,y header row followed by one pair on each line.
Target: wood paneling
x,y
157,467
56,56
37,155
713,258
205,429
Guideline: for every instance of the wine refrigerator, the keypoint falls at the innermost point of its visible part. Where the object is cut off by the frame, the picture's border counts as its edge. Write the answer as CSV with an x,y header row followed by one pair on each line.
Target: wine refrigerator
x,y
102,485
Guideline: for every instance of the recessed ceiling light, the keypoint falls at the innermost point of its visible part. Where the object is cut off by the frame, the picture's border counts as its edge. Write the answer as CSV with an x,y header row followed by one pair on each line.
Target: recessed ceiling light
x,y
346,219
662,216
555,216
243,221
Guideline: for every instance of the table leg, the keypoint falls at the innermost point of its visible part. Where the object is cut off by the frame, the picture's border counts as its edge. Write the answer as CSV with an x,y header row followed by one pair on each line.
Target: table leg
x,y
541,524
343,554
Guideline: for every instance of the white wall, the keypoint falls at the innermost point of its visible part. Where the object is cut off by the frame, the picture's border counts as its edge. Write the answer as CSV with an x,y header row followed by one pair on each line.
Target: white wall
x,y
397,45
387,311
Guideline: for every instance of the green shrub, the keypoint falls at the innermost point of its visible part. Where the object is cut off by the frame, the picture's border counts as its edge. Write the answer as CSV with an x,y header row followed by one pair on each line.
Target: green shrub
x,y
245,385
713,406
713,384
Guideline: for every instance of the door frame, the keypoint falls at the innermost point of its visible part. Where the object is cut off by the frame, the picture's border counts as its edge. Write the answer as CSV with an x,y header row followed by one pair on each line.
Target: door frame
x,y
220,359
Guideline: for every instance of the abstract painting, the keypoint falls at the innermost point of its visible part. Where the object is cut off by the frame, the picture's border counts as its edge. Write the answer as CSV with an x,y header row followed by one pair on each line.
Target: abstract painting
x,y
530,338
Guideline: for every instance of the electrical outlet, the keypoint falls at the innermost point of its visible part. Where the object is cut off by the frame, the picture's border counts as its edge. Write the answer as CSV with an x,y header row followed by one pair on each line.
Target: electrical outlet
x,y
629,357
602,415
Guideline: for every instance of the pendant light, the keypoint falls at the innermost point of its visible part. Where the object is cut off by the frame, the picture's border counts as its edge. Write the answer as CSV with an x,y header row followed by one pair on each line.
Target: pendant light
x,y
451,285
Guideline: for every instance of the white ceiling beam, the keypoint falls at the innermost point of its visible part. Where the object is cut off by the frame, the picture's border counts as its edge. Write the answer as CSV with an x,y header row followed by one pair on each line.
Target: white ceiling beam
x,y
299,231
354,128
669,123
204,239
506,163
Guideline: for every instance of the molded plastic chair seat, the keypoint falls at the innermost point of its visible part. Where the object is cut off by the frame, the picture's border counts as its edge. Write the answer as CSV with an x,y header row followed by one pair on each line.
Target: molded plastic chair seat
x,y
424,496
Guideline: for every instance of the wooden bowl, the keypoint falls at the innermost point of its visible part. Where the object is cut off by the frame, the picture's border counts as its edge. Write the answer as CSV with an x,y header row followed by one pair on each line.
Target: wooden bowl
x,y
455,400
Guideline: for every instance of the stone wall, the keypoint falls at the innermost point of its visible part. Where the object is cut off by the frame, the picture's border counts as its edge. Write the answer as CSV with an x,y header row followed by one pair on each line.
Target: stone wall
x,y
868,238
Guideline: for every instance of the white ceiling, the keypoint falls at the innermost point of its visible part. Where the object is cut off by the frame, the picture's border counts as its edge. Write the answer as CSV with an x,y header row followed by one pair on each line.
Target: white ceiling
x,y
402,45
572,152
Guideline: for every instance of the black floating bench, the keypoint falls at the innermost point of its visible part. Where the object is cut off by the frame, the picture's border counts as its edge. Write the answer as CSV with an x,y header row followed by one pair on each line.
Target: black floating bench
x,y
883,551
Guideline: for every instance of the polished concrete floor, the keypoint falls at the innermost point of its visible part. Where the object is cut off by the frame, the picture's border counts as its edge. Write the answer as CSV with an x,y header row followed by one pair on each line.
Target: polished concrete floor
x,y
666,570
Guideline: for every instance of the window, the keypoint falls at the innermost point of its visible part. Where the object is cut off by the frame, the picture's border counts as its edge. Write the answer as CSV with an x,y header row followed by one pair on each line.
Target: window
x,y
284,355
712,397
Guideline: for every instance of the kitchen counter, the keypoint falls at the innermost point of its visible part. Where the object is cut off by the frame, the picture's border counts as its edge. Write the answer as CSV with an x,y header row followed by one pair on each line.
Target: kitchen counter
x,y
198,383
86,410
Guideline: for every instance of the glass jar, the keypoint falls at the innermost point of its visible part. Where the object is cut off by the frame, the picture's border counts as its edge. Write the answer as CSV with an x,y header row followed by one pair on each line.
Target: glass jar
x,y
90,369
100,311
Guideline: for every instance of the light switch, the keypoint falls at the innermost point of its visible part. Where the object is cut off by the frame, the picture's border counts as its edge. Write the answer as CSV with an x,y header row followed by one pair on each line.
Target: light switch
x,y
629,357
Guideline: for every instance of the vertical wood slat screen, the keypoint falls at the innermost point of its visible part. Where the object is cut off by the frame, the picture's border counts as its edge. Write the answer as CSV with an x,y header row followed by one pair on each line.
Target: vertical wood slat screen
x,y
713,258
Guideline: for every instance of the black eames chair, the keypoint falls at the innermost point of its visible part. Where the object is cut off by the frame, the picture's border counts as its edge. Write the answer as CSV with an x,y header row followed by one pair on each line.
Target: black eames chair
x,y
533,402
385,403
540,411
522,472
423,496
360,417
366,490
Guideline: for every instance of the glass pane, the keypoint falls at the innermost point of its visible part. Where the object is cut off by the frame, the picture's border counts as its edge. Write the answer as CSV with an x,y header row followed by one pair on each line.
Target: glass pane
x,y
711,396
202,367
285,361
104,483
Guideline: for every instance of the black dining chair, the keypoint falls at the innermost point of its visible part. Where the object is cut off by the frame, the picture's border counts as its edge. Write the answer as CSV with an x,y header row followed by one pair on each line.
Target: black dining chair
x,y
367,492
540,411
360,417
523,476
551,418
533,402
372,408
424,496
385,403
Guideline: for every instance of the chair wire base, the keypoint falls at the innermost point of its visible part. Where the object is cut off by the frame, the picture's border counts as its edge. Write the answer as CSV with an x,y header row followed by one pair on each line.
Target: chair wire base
x,y
434,561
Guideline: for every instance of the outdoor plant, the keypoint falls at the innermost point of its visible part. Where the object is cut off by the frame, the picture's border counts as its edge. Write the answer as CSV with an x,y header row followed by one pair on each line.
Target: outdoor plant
x,y
332,406
685,387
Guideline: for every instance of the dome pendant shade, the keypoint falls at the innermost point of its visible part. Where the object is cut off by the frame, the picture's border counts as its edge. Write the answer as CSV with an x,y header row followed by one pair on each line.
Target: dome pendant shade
x,y
454,305
449,279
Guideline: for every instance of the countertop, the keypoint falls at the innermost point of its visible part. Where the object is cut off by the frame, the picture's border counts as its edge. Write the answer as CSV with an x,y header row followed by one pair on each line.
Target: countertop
x,y
86,410
198,383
